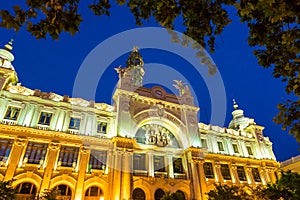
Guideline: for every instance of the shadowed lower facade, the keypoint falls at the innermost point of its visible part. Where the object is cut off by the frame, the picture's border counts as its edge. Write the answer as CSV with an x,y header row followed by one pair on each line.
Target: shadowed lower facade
x,y
145,144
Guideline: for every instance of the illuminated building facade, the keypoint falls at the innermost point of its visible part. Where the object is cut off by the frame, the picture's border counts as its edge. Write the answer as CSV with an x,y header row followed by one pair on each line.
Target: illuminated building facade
x,y
149,142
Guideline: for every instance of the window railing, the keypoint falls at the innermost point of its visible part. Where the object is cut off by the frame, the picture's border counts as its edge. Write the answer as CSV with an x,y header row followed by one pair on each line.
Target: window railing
x,y
140,173
179,176
8,122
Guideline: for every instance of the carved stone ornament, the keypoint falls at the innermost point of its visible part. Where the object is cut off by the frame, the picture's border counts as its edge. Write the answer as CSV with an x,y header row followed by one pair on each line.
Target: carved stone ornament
x,y
20,141
157,135
83,150
54,145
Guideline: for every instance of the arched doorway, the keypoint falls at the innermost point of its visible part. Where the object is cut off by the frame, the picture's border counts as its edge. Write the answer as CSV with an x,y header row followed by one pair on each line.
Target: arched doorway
x,y
25,191
65,192
159,193
138,194
93,192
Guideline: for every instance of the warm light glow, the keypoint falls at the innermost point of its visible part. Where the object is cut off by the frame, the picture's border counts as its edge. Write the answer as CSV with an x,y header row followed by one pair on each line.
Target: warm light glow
x,y
101,198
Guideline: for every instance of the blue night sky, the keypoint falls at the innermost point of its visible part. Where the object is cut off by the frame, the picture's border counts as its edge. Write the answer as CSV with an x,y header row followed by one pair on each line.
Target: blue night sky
x,y
52,66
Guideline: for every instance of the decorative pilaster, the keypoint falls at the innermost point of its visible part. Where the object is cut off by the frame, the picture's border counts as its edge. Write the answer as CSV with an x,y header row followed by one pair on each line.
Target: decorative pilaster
x,y
83,161
249,175
202,180
49,164
116,183
196,181
235,176
126,175
219,177
15,155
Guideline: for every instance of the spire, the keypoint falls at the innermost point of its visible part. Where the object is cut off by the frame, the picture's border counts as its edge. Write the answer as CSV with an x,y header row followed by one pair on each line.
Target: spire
x,y
235,105
9,46
135,59
6,56
134,65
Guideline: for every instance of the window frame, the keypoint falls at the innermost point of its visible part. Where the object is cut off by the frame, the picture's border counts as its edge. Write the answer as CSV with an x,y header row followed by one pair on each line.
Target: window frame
x,y
235,150
100,128
44,122
142,160
256,174
225,171
220,146
65,162
97,162
9,113
241,173
208,167
76,120
249,150
32,155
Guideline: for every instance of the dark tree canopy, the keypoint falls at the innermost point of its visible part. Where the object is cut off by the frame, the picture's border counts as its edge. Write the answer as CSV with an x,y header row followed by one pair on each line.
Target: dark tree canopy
x,y
274,31
7,192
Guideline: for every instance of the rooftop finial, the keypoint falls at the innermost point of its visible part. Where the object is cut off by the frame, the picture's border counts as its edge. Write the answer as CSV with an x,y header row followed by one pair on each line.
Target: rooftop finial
x,y
135,49
235,105
8,46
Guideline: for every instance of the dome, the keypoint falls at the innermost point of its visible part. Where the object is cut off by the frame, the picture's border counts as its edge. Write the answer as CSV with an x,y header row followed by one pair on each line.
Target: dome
x,y
239,121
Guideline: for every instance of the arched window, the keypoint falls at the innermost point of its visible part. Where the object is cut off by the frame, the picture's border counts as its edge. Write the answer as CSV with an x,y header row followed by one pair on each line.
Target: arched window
x,y
65,192
180,194
93,192
138,194
159,193
25,191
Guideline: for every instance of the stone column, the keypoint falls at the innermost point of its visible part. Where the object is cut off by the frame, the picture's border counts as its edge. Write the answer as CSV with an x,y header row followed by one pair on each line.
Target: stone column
x,y
126,175
14,158
3,107
196,181
83,161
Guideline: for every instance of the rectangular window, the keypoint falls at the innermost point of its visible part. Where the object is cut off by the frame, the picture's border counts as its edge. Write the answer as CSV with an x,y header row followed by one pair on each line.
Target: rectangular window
x,y
177,166
220,146
74,123
159,164
45,118
12,113
256,175
204,143
97,159
101,127
5,148
235,148
249,149
241,173
139,161
225,171
35,152
68,156
208,170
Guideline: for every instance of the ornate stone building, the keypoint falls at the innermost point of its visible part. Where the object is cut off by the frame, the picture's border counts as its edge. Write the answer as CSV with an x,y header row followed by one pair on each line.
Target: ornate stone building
x,y
149,142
